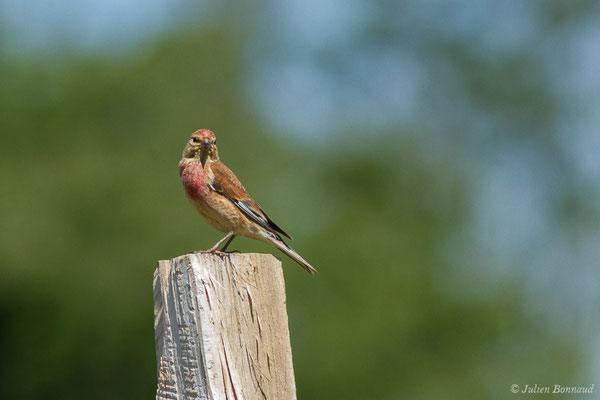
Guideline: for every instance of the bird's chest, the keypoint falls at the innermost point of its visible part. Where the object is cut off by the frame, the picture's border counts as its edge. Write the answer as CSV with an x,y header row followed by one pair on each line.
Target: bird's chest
x,y
215,209
194,180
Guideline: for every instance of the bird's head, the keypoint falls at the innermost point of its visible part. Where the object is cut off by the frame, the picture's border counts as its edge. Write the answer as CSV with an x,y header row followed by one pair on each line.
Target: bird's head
x,y
202,145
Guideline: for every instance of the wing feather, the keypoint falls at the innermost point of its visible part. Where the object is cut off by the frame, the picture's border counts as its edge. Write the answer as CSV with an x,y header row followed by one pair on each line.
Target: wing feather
x,y
228,185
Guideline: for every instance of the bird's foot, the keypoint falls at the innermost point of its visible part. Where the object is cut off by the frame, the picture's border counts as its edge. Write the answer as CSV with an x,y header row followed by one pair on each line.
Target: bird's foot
x,y
215,252
209,251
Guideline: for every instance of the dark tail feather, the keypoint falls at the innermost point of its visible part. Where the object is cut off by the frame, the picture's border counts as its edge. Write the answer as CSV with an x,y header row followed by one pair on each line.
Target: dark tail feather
x,y
281,245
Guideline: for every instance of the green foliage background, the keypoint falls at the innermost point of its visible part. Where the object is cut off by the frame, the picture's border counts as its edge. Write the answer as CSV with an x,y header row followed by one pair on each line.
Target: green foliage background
x,y
91,199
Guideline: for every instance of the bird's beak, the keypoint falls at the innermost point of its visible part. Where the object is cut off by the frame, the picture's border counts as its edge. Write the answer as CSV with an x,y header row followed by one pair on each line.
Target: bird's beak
x,y
205,144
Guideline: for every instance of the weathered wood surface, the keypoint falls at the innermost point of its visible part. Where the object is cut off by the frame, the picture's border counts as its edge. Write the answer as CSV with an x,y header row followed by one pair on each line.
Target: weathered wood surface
x,y
221,328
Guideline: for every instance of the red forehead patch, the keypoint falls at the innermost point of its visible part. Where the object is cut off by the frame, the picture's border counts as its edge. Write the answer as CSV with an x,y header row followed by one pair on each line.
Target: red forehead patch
x,y
204,133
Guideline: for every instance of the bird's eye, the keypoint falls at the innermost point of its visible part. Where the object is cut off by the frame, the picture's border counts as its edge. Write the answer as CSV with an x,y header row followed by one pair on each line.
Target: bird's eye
x,y
195,139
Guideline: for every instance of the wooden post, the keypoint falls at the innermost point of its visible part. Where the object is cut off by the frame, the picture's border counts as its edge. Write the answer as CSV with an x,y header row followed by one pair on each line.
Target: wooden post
x,y
221,328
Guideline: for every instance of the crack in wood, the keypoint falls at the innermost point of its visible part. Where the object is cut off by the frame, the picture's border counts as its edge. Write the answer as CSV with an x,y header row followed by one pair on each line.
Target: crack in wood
x,y
259,327
250,303
207,294
224,381
229,371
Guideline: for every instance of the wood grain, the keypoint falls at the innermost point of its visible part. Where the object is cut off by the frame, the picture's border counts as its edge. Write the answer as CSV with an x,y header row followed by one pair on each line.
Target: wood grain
x,y
221,328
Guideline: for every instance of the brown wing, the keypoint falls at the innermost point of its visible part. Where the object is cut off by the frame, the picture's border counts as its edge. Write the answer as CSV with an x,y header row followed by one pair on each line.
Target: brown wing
x,y
228,185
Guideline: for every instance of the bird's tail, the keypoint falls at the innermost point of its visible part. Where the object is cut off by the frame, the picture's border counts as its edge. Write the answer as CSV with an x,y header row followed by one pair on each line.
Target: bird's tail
x,y
283,246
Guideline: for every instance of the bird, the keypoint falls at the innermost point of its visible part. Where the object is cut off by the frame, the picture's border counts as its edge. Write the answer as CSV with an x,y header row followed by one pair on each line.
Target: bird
x,y
220,198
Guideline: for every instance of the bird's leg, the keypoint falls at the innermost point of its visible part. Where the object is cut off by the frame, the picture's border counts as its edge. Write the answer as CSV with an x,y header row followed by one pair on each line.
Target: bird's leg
x,y
216,246
227,244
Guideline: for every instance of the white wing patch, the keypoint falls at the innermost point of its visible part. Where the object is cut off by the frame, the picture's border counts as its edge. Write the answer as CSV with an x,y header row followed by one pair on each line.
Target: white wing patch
x,y
251,213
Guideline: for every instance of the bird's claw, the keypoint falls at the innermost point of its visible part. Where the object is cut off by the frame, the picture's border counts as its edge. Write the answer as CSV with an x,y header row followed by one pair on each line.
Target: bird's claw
x,y
217,252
